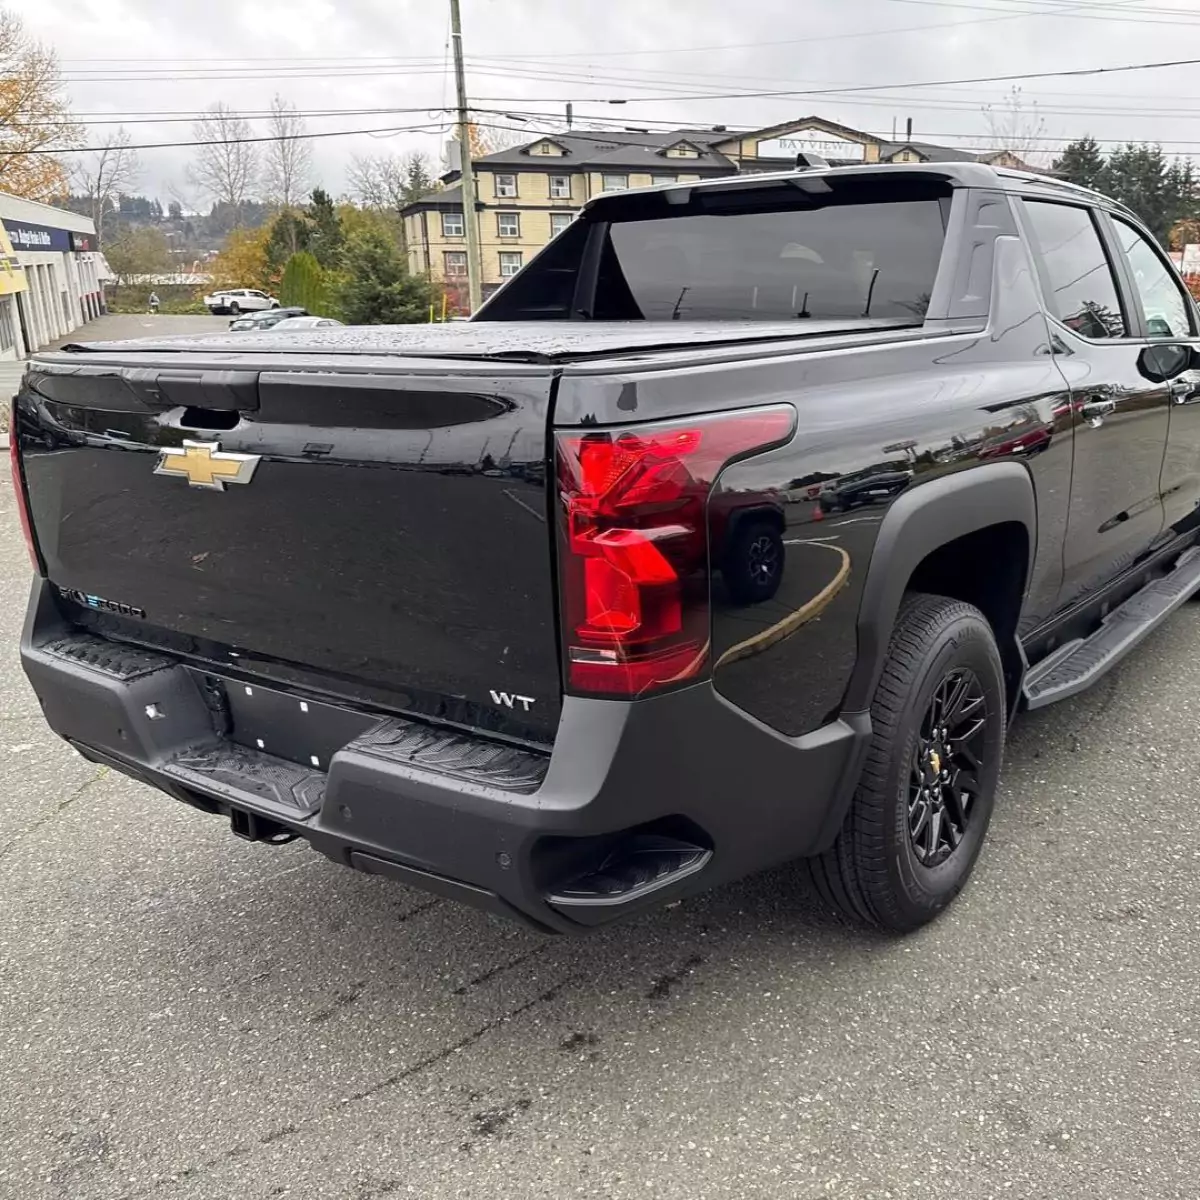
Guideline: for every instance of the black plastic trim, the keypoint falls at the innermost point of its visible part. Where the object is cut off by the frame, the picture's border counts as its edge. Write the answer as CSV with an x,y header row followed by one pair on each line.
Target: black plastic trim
x,y
918,523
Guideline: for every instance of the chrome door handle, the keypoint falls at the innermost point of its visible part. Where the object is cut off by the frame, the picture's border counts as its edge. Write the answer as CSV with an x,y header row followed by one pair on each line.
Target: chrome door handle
x,y
1094,411
1184,390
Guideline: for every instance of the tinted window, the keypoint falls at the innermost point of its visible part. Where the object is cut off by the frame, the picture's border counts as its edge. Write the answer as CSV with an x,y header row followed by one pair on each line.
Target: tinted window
x,y
1162,300
1083,293
850,260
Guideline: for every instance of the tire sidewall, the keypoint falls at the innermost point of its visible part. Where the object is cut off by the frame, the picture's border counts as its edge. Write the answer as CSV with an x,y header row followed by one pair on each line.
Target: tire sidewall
x,y
919,891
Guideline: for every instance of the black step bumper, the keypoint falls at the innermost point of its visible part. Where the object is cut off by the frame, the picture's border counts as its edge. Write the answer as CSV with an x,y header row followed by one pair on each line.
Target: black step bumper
x,y
638,803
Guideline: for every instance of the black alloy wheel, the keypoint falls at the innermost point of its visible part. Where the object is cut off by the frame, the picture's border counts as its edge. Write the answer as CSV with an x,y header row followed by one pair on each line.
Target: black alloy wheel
x,y
753,566
946,767
917,820
762,560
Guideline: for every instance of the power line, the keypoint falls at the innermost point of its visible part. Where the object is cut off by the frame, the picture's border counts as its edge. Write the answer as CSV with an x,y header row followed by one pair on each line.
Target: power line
x,y
1078,72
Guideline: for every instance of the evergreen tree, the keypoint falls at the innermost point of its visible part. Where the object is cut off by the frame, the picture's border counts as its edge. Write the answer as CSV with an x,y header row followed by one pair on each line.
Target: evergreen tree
x,y
376,288
1082,163
327,238
303,284
290,233
1137,176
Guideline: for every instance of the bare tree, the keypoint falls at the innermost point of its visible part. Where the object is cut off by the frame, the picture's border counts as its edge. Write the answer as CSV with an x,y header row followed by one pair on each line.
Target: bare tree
x,y
226,163
287,171
103,175
1016,125
388,181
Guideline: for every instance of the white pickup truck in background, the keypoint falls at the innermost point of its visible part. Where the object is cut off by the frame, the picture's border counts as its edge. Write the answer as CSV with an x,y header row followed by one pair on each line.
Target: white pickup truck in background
x,y
239,300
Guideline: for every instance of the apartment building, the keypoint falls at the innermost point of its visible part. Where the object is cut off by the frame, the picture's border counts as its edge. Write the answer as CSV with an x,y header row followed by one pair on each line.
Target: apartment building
x,y
528,194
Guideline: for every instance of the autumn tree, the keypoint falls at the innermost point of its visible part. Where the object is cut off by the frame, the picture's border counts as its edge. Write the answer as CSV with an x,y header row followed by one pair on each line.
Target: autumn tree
x,y
287,164
35,119
103,175
139,251
225,167
243,261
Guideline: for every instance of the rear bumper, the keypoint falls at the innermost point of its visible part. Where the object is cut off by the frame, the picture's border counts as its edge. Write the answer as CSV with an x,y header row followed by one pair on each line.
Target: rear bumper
x,y
499,827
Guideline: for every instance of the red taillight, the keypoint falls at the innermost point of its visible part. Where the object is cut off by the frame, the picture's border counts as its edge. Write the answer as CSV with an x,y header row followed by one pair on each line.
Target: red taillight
x,y
633,545
18,482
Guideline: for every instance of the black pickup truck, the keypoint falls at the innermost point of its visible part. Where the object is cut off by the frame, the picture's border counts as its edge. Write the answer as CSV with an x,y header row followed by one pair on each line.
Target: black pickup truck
x,y
734,530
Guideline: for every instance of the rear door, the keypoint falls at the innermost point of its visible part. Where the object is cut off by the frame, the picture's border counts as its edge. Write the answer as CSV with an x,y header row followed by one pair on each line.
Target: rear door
x,y
382,537
1121,417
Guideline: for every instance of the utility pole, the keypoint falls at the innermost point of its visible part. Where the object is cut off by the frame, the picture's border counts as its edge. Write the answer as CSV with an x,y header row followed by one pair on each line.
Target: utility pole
x,y
470,217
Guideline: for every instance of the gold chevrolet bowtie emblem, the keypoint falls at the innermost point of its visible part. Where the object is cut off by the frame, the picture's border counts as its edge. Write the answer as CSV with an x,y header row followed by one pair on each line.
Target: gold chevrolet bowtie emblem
x,y
205,465
935,761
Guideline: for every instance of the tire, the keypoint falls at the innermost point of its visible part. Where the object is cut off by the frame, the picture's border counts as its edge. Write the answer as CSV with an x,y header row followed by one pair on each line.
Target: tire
x,y
878,872
235,309
274,303
753,565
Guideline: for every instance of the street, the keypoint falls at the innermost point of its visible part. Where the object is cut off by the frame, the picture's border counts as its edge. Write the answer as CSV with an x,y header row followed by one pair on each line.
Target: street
x,y
183,1014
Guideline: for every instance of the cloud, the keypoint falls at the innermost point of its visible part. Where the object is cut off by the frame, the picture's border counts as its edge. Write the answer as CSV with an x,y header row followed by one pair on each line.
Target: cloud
x,y
129,56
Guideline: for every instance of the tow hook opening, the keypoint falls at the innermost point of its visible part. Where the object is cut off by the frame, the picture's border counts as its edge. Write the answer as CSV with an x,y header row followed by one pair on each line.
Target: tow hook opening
x,y
254,828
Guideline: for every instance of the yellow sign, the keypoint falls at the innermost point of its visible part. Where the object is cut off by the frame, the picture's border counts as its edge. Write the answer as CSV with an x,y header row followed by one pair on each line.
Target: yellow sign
x,y
204,465
12,274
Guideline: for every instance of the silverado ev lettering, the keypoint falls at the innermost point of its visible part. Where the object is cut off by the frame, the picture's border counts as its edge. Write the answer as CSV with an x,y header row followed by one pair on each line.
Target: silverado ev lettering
x,y
784,495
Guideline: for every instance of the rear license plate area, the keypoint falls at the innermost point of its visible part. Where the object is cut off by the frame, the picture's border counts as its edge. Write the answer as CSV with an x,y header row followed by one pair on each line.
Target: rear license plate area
x,y
302,731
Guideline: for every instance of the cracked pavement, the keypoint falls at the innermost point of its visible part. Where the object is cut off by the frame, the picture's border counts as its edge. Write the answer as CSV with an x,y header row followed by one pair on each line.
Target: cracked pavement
x,y
184,1015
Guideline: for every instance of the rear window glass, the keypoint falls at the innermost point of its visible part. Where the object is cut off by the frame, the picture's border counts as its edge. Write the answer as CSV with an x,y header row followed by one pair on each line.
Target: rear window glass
x,y
1083,291
849,260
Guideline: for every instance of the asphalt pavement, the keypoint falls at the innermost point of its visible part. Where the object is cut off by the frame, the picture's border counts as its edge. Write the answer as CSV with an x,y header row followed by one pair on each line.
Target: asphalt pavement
x,y
184,1015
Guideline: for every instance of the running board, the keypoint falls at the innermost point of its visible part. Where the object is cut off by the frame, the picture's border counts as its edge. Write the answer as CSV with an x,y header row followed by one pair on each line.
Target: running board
x,y
1077,665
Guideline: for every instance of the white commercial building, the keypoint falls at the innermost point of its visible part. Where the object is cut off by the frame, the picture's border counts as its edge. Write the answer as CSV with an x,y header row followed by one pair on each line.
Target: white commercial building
x,y
50,275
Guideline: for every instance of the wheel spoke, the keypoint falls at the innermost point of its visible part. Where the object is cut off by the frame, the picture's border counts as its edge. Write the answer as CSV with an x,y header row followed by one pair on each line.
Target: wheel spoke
x,y
919,827
953,707
968,710
935,831
954,794
953,833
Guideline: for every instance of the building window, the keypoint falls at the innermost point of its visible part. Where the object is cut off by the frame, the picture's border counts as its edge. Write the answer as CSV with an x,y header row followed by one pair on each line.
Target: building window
x,y
456,263
614,183
559,222
560,187
452,224
682,152
508,224
506,186
510,263
662,179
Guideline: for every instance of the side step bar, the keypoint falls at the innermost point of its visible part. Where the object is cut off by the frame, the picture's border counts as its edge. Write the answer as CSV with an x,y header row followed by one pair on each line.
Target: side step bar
x,y
1077,665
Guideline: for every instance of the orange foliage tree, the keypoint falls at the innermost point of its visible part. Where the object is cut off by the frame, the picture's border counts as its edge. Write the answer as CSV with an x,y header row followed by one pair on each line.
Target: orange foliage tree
x,y
35,119
243,262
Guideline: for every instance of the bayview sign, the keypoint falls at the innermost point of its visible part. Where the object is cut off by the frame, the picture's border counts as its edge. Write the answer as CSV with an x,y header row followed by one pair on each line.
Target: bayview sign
x,y
812,141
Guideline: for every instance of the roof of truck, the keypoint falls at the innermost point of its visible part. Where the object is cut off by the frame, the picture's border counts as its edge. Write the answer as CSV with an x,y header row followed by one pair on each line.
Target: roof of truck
x,y
960,174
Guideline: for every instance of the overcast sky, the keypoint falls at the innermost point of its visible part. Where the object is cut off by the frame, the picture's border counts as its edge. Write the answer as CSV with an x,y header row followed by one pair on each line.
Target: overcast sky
x,y
125,57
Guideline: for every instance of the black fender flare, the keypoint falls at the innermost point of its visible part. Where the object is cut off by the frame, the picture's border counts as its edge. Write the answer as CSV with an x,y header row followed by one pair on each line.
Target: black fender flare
x,y
917,523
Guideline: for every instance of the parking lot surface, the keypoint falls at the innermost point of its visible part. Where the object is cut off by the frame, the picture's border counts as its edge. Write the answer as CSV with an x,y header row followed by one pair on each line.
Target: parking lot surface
x,y
184,1015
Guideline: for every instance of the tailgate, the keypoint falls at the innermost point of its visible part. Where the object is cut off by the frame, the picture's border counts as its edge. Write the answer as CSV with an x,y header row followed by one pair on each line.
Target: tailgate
x,y
381,537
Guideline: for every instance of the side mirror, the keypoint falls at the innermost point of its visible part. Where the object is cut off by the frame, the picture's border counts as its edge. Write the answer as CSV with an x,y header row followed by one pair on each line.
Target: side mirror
x,y
1164,361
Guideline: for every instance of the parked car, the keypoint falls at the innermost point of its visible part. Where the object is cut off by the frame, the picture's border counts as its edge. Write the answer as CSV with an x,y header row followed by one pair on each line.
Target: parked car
x,y
293,324
265,320
239,300
455,622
